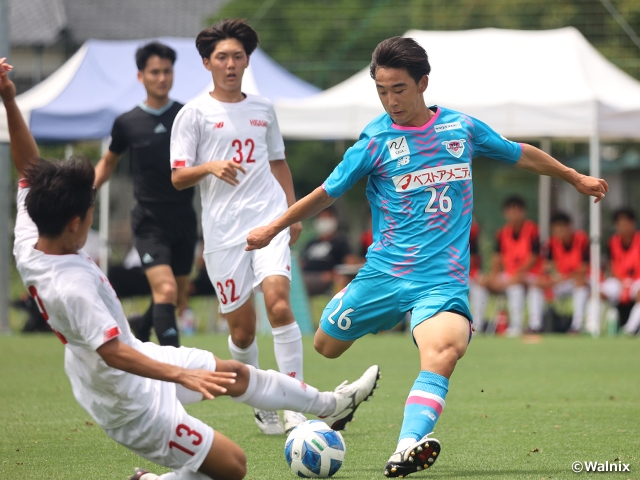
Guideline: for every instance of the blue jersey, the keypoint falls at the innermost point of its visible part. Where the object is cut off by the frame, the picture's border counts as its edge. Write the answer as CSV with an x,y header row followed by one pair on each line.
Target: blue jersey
x,y
420,191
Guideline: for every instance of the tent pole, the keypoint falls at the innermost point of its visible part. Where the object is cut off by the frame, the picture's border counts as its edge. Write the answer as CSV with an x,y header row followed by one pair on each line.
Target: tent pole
x,y
5,174
104,218
544,196
594,234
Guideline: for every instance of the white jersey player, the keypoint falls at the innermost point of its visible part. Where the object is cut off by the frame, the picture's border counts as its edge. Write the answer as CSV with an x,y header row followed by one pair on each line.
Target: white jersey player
x,y
135,391
230,143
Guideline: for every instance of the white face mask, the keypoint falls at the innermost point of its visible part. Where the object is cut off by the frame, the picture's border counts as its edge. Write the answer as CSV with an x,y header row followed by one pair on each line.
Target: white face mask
x,y
325,225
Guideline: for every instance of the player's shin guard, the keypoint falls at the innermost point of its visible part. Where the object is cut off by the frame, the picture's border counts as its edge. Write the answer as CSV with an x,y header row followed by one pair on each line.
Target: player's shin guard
x,y
270,390
423,407
248,356
164,321
287,344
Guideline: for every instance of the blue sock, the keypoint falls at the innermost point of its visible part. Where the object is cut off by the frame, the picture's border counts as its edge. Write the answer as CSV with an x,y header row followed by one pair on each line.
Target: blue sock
x,y
424,405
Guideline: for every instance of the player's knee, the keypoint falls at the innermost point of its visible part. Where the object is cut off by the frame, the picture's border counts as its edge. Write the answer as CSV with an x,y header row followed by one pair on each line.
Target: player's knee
x,y
242,338
280,312
167,291
238,467
325,349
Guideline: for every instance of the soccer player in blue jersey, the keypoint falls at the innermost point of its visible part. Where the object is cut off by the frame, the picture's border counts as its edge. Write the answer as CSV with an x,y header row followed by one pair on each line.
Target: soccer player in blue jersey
x,y
418,160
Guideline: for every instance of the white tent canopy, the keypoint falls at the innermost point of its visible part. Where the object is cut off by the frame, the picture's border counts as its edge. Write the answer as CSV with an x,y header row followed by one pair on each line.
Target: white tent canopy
x,y
525,84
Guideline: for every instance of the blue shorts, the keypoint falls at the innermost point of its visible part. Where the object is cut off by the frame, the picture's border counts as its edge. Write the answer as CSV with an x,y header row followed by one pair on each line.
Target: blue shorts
x,y
376,301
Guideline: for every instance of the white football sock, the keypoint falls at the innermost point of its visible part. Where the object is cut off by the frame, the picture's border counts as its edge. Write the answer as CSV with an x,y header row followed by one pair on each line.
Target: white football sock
x,y
634,320
270,390
287,344
182,474
248,356
515,300
536,306
580,298
478,296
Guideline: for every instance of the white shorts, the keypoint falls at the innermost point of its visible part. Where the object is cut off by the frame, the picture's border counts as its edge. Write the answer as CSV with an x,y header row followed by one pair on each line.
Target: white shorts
x,y
166,434
236,273
612,288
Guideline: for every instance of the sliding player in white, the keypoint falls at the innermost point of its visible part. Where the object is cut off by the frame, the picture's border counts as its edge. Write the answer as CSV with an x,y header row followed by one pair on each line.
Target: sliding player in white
x,y
135,391
230,143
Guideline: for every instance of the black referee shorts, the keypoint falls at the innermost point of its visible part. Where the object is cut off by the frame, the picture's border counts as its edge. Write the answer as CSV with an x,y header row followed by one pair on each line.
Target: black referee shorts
x,y
165,234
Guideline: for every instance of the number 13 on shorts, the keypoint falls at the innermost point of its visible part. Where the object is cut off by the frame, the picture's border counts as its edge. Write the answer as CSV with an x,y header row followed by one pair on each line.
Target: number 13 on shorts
x,y
343,321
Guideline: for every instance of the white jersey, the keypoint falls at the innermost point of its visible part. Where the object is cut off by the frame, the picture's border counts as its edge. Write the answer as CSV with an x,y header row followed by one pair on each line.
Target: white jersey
x,y
78,302
247,132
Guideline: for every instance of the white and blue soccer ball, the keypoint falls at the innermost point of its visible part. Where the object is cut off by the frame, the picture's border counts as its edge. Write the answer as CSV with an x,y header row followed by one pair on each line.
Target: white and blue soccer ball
x,y
313,450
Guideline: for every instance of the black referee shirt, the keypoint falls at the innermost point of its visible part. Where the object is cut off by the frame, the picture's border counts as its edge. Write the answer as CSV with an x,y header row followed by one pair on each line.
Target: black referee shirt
x,y
146,132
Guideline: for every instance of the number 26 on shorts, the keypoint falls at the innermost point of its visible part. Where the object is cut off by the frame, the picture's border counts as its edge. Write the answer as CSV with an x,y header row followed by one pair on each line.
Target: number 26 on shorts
x,y
343,321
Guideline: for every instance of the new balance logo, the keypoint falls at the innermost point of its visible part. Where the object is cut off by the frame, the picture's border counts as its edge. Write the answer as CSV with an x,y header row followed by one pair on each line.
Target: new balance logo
x,y
258,123
146,258
160,128
218,125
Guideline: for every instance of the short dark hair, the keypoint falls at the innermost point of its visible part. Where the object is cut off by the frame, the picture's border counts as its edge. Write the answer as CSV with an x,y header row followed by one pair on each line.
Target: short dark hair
x,y
59,191
560,217
236,28
624,212
401,52
154,48
514,201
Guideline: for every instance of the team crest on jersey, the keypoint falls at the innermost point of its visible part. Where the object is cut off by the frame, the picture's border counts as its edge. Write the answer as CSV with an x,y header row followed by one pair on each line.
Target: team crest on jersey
x,y
403,161
454,147
398,147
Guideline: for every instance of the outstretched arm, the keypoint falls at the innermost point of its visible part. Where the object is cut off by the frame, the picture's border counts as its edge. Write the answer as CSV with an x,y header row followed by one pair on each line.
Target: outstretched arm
x,y
23,146
305,208
280,170
537,161
119,355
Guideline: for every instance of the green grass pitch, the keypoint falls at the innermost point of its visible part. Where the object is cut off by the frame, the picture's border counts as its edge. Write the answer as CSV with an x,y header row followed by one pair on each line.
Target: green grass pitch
x,y
514,411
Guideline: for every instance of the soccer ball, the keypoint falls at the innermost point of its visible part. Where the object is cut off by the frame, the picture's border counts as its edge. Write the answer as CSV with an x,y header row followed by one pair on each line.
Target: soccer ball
x,y
313,450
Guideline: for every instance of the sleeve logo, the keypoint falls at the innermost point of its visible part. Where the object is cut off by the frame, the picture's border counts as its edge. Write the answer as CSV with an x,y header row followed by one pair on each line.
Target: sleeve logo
x,y
112,332
398,147
454,147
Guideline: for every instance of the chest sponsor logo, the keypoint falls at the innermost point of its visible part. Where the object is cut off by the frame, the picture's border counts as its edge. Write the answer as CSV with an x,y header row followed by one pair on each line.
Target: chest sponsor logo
x,y
432,176
444,127
259,123
160,128
403,161
398,147
454,147
218,125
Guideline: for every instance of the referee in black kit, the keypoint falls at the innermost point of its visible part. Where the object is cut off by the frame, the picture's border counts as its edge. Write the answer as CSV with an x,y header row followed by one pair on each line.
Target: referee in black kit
x,y
163,220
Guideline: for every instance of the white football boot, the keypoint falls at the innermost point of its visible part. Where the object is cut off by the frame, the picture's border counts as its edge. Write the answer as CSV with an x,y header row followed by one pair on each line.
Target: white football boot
x,y
292,420
349,396
419,456
269,422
